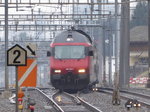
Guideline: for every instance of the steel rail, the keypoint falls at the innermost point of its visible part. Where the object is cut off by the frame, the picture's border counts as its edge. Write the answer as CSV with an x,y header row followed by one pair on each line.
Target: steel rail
x,y
110,92
84,103
3,89
129,92
75,99
52,102
89,106
137,94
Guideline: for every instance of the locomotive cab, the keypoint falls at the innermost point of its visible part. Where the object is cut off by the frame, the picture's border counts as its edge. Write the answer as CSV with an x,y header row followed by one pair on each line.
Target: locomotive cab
x,y
70,62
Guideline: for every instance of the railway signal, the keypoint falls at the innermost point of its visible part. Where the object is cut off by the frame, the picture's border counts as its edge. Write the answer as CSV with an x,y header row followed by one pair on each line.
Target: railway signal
x,y
128,104
136,103
20,99
132,103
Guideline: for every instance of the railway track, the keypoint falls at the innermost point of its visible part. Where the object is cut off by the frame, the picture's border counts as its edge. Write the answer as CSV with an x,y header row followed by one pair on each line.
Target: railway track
x,y
50,100
2,90
124,94
64,102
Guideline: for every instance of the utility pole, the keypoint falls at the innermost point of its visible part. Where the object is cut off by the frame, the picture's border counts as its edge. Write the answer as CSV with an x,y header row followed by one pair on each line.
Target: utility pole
x,y
6,93
100,46
110,58
110,49
148,82
6,44
116,94
124,45
104,55
116,36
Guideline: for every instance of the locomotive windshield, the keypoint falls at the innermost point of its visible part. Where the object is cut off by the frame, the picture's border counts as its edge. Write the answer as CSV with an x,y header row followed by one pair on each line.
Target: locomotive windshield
x,y
69,52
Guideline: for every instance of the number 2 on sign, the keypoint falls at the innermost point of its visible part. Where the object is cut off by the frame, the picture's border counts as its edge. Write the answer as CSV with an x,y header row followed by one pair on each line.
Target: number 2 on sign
x,y
17,52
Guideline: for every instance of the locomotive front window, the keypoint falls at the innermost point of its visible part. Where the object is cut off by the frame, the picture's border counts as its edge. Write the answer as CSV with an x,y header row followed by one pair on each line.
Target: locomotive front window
x,y
69,52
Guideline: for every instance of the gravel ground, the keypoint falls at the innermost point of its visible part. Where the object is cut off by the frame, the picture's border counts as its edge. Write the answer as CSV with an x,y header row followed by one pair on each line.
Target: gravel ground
x,y
103,102
5,105
40,101
100,100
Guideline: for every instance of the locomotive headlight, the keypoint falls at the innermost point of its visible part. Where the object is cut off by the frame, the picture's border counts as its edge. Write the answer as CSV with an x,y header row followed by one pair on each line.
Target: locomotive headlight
x,y
57,71
81,70
134,105
95,89
139,105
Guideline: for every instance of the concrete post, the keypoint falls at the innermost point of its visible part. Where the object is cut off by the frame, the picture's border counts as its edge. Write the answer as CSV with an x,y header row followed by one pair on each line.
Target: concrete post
x,y
148,82
124,45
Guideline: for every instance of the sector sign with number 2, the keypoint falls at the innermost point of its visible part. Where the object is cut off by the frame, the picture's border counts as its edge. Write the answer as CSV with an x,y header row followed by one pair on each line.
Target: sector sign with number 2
x,y
16,56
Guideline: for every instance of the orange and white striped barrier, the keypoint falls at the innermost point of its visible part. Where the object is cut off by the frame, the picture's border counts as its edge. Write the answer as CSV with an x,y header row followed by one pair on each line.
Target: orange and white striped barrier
x,y
27,75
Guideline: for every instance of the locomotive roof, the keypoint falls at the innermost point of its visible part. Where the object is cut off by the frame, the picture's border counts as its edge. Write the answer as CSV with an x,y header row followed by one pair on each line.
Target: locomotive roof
x,y
76,36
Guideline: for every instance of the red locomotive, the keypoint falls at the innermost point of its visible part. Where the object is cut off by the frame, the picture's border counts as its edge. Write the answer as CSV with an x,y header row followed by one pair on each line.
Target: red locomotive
x,y
71,60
